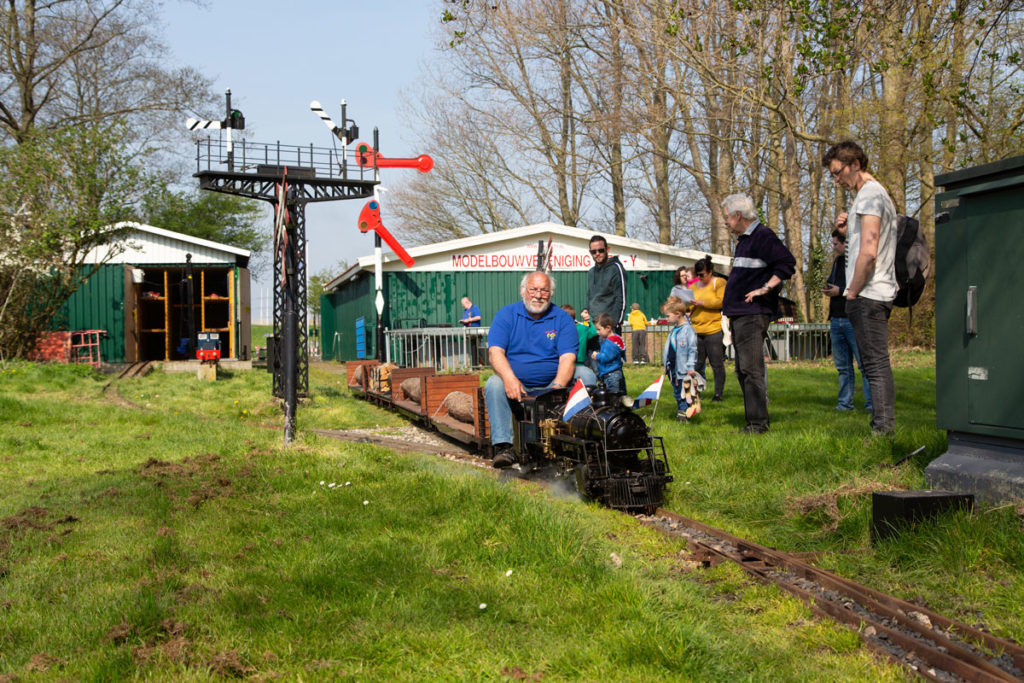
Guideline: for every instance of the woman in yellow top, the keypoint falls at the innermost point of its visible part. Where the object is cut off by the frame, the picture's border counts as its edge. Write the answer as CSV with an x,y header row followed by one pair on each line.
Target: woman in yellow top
x,y
638,321
706,319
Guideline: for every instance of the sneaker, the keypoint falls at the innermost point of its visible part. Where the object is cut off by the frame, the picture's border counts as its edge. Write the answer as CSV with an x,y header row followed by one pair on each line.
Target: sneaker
x,y
754,429
504,456
681,416
716,399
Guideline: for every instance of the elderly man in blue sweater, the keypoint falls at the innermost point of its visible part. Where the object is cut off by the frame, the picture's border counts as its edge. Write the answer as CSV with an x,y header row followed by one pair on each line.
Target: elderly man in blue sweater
x,y
761,262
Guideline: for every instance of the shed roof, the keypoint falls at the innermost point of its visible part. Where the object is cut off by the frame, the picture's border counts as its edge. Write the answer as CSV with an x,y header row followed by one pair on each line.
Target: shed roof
x,y
150,244
516,249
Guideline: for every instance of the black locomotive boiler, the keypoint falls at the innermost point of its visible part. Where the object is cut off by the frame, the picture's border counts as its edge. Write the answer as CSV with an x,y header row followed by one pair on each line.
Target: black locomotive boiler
x,y
606,448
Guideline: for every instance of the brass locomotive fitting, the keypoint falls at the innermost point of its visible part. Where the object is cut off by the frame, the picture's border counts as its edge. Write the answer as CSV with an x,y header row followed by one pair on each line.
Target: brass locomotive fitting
x,y
548,428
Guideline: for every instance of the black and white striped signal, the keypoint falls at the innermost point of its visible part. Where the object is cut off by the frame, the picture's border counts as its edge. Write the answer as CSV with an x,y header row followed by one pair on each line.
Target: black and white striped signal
x,y
234,120
346,135
200,124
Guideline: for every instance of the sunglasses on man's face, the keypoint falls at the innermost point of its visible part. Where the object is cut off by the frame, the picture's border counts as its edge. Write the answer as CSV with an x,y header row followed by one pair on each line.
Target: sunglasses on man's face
x,y
598,251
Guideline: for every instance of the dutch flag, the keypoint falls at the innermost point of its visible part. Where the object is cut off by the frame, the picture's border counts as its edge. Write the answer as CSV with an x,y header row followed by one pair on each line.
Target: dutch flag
x,y
649,395
578,400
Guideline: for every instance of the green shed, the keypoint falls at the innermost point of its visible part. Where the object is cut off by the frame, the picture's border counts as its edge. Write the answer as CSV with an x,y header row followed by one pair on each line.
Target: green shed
x,y
137,297
486,268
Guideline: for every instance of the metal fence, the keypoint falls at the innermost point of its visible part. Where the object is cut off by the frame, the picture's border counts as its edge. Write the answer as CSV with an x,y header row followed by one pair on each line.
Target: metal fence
x,y
450,349
442,348
799,341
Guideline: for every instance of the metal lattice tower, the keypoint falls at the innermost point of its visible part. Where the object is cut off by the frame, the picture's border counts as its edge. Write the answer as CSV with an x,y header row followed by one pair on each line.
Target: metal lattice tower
x,y
311,174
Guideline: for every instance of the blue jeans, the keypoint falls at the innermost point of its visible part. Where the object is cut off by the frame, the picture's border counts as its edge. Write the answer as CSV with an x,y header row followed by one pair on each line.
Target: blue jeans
x,y
748,335
499,412
844,351
870,320
677,392
614,381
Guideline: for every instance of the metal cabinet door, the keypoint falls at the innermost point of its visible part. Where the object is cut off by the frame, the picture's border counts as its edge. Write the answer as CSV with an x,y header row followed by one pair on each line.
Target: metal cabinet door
x,y
995,314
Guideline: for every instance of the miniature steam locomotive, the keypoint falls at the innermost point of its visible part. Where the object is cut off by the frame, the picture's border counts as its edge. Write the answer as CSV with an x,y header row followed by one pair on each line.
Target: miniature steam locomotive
x,y
606,448
605,451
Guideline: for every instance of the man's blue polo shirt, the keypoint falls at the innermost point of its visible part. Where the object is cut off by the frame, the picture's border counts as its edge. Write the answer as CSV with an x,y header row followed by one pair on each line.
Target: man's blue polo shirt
x,y
533,347
471,312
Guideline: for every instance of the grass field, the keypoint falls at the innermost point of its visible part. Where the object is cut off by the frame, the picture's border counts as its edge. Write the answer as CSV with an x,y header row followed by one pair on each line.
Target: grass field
x,y
156,529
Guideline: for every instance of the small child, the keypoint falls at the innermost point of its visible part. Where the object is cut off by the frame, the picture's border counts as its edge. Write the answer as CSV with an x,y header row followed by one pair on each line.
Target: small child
x,y
609,358
584,331
638,321
593,342
680,359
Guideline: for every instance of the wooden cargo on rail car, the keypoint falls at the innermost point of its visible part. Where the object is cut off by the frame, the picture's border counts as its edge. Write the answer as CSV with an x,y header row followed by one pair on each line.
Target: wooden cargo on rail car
x,y
413,407
437,388
359,381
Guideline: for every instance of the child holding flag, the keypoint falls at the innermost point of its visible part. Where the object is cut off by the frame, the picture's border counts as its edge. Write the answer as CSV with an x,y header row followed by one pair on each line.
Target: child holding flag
x,y
680,359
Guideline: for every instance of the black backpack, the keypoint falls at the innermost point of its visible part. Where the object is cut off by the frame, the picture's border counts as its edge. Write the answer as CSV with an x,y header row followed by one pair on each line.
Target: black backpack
x,y
913,262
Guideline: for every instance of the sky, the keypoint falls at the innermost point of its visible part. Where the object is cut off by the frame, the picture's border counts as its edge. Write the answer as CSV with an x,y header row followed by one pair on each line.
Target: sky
x,y
278,56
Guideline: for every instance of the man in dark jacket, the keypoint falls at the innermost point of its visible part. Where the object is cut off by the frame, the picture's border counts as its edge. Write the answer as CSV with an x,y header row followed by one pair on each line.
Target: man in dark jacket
x,y
761,262
606,284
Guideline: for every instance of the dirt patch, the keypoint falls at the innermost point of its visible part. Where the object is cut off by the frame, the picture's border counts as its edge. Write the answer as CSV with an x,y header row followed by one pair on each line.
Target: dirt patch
x,y
112,393
169,642
43,662
196,478
828,502
231,664
517,674
27,519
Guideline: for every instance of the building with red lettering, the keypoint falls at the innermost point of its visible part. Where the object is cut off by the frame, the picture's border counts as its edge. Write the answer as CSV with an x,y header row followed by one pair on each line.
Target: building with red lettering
x,y
488,269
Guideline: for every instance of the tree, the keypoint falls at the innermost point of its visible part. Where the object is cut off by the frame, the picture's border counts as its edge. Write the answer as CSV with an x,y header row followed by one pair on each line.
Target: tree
x,y
209,215
62,191
317,282
72,62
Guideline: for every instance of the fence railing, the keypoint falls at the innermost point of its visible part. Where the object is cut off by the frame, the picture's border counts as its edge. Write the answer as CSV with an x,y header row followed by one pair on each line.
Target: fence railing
x,y
442,348
450,349
800,341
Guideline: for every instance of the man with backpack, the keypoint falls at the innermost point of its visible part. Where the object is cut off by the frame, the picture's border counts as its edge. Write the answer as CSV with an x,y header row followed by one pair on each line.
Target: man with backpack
x,y
870,273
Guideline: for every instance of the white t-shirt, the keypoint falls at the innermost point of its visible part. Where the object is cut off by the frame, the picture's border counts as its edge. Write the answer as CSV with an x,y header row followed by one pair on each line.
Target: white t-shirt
x,y
873,200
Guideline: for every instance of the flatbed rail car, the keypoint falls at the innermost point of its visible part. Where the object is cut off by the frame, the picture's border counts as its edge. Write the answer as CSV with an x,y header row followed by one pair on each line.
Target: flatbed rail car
x,y
425,404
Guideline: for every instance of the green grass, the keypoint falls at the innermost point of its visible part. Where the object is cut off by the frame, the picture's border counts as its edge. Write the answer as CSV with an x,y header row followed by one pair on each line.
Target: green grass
x,y
156,528
258,335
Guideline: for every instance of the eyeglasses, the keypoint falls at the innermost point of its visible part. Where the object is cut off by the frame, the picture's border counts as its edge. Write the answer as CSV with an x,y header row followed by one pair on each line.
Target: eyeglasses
x,y
598,251
835,173
537,291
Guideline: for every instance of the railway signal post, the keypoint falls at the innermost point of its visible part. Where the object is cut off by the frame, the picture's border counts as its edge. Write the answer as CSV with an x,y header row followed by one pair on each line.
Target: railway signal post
x,y
288,177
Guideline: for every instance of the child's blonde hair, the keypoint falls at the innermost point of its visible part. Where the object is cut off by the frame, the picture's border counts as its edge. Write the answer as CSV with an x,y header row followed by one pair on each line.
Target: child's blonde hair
x,y
674,305
635,306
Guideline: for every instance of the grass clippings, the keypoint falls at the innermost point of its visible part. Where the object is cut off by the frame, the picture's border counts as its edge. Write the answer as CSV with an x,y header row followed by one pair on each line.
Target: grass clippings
x,y
828,502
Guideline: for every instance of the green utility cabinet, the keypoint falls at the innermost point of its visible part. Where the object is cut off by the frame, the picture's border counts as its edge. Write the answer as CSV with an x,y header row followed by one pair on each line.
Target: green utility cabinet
x,y
979,329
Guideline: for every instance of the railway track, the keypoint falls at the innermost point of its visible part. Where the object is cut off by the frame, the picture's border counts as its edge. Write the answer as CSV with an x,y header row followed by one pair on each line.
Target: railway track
x,y
926,643
929,644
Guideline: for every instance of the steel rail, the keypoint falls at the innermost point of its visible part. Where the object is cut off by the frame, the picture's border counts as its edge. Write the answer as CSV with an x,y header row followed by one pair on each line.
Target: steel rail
x,y
934,648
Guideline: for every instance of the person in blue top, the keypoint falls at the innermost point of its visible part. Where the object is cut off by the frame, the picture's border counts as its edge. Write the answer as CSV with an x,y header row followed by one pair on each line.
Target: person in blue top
x,y
609,357
470,313
531,345
680,354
